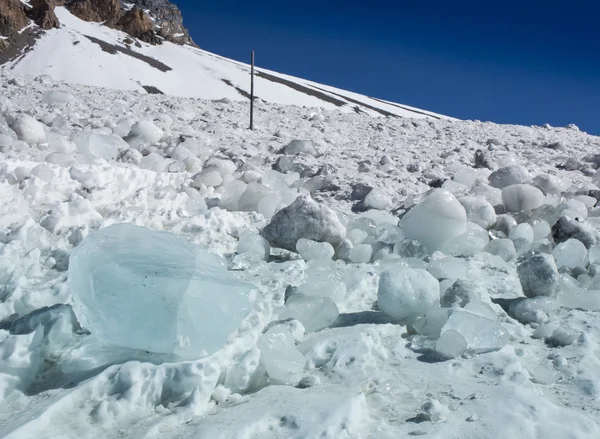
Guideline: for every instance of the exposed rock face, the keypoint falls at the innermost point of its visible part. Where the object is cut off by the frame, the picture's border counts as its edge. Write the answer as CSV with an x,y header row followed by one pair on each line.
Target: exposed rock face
x,y
168,19
107,11
12,17
42,12
139,25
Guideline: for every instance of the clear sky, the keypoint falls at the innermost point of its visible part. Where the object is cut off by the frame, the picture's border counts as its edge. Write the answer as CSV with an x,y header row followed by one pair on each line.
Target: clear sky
x,y
528,62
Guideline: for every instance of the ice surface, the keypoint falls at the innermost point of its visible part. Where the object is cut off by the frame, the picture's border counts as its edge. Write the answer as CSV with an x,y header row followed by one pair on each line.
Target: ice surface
x,y
522,231
481,334
571,253
407,293
252,243
232,193
313,250
469,243
450,267
549,184
361,254
208,179
451,344
504,248
539,275
147,130
154,162
250,199
323,280
481,309
376,199
462,292
519,197
29,130
432,322
99,146
149,290
436,220
479,211
58,97
279,355
300,147
313,312
509,175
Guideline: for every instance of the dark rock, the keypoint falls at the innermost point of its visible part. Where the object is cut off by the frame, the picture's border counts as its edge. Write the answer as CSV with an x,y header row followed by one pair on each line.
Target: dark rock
x,y
107,11
12,17
436,183
567,228
360,191
482,159
42,13
138,24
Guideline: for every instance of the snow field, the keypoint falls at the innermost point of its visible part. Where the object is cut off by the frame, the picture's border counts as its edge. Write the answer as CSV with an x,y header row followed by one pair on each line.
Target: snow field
x,y
422,308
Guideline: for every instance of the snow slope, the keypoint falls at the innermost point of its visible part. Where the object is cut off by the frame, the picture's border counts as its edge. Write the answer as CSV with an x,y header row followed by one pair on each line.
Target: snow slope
x,y
364,377
91,54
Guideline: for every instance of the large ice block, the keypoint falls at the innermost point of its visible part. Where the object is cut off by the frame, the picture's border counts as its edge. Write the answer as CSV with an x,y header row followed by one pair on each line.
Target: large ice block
x,y
142,289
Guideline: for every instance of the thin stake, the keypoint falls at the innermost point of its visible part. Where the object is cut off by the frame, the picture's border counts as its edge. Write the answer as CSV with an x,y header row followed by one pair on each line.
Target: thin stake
x,y
252,91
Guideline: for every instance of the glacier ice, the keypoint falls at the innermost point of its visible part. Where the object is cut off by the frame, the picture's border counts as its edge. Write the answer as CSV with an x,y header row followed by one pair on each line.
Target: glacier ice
x,y
29,130
313,312
147,130
407,293
437,219
571,253
155,291
481,334
279,355
310,250
519,197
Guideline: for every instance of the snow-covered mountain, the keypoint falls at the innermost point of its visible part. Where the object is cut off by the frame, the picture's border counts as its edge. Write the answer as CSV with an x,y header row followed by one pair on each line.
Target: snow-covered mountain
x,y
88,53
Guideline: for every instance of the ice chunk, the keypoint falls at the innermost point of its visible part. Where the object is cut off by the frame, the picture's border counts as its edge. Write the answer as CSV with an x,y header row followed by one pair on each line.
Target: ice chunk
x,y
432,322
436,220
462,292
479,211
451,344
519,197
504,248
406,293
323,280
208,179
300,147
154,291
508,176
594,255
279,355
154,162
539,275
541,229
571,253
522,231
250,199
313,312
481,334
450,267
99,146
43,172
232,192
376,199
550,184
361,254
482,309
469,243
252,243
58,97
147,130
313,250
534,310
304,218
29,130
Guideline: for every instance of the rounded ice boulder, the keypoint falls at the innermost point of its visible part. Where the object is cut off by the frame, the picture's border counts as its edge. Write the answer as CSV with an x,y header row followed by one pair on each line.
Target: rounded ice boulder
x,y
519,197
29,130
147,130
407,293
509,175
142,289
539,275
304,218
438,219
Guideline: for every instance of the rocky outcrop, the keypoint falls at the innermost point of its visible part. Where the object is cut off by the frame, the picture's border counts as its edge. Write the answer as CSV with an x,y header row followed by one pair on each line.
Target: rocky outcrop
x,y
106,11
42,13
139,25
12,18
168,20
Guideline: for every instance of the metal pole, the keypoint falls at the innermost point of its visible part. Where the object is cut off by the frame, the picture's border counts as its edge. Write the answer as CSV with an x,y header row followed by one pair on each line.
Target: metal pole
x,y
252,91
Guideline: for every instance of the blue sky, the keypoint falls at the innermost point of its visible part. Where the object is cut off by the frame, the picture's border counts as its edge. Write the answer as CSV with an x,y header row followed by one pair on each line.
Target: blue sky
x,y
524,62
